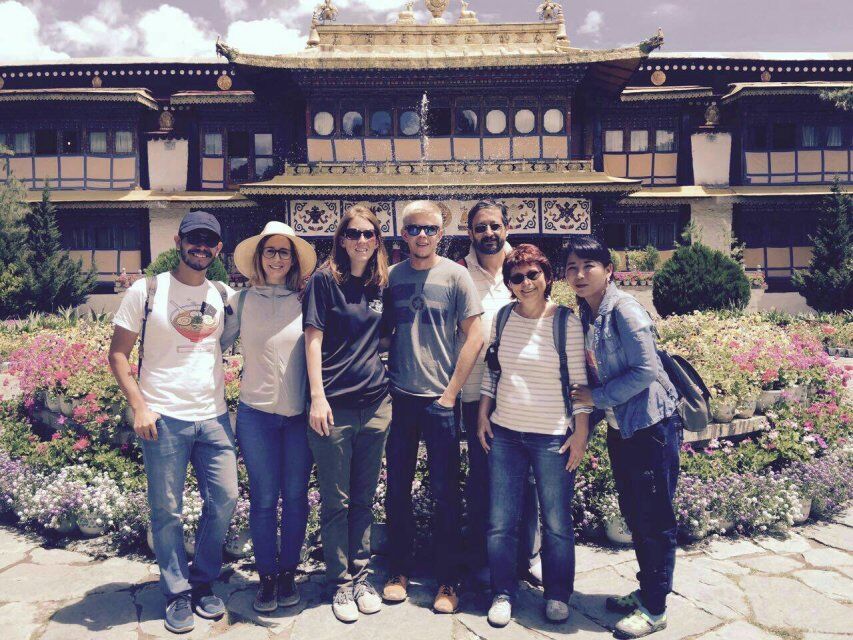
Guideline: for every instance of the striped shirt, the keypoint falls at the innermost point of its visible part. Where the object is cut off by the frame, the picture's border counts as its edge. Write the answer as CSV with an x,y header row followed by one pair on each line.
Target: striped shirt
x,y
529,397
493,295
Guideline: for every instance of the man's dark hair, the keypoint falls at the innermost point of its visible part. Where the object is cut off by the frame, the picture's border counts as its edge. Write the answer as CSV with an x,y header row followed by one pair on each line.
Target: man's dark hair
x,y
488,204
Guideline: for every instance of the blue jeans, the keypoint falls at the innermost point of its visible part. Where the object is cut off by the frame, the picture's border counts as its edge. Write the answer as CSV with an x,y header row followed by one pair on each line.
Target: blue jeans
x,y
477,502
513,453
645,468
209,445
279,461
414,417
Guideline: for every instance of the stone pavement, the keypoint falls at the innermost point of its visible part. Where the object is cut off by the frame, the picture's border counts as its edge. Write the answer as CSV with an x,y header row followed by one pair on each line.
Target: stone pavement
x,y
800,587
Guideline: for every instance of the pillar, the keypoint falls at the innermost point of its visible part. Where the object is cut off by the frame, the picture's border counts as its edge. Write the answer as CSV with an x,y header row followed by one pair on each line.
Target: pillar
x,y
712,219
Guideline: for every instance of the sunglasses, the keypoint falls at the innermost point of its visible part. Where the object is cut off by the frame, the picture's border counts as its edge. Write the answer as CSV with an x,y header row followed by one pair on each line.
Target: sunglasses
x,y
518,278
481,228
415,229
201,238
355,234
270,253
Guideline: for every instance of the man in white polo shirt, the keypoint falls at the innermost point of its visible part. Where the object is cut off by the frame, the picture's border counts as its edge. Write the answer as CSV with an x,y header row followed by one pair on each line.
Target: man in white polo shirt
x,y
487,227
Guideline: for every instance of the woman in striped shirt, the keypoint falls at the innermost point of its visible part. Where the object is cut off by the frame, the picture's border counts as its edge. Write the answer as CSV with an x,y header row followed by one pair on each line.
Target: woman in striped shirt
x,y
526,420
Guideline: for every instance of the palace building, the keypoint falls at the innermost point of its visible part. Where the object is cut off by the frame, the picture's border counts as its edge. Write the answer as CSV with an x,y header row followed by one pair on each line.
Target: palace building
x,y
631,144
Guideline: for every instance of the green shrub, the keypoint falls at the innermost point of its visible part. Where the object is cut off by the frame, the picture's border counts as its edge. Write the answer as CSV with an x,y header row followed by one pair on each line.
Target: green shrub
x,y
644,259
168,260
698,278
616,260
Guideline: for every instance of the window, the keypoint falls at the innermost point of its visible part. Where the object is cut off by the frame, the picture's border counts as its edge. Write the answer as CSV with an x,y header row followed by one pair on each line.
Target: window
x,y
70,143
104,237
124,142
833,136
553,121
614,141
238,156
639,235
758,138
263,156
639,141
666,235
46,143
97,142
467,122
614,234
496,121
380,123
352,124
21,145
213,144
410,123
324,123
664,140
809,136
4,145
525,121
784,137
438,121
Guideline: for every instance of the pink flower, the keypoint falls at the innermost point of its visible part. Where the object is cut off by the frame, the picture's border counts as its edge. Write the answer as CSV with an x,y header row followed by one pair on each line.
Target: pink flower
x,y
56,436
81,445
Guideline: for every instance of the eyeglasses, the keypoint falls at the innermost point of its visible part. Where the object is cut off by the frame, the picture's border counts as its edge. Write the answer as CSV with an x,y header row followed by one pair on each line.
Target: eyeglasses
x,y
201,238
355,234
415,229
271,252
518,278
481,228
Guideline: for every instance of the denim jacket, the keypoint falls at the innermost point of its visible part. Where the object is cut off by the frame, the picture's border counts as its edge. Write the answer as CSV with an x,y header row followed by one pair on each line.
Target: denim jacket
x,y
633,381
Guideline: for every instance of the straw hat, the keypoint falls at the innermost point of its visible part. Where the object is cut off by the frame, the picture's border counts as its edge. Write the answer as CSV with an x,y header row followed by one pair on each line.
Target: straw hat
x,y
244,254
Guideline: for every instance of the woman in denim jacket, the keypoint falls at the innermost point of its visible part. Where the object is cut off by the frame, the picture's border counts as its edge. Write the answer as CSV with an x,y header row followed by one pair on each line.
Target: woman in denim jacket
x,y
628,383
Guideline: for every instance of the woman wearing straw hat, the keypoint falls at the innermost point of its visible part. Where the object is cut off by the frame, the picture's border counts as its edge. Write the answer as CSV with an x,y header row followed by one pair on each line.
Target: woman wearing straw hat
x,y
271,421
350,407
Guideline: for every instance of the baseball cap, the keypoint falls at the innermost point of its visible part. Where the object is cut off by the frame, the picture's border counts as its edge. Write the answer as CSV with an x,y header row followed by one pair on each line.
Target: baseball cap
x,y
199,220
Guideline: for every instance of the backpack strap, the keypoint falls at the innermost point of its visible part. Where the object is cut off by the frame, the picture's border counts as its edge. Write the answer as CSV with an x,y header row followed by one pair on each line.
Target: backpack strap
x,y
241,301
151,288
502,317
223,293
561,319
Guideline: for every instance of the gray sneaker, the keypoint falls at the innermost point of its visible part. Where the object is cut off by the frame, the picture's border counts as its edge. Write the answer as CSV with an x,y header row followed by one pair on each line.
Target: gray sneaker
x,y
556,611
501,611
207,604
179,615
366,598
344,606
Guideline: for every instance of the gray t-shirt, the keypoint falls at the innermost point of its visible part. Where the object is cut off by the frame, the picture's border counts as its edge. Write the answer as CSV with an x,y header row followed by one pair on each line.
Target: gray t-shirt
x,y
424,309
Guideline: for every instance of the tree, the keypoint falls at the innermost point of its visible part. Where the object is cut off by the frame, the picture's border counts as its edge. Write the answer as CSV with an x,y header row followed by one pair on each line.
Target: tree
x,y
827,283
13,234
51,278
169,259
841,98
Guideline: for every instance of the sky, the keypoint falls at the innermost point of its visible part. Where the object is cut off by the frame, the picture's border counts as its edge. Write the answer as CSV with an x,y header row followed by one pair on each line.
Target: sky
x,y
57,29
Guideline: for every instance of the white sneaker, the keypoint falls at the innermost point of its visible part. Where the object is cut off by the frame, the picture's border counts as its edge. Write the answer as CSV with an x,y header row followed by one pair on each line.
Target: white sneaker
x,y
501,611
343,605
556,611
366,598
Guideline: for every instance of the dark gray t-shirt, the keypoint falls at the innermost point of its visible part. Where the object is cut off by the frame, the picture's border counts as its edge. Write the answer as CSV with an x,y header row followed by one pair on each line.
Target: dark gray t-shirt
x,y
424,309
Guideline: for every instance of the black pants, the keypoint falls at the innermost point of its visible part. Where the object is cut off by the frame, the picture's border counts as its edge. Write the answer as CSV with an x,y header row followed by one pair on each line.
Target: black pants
x,y
645,468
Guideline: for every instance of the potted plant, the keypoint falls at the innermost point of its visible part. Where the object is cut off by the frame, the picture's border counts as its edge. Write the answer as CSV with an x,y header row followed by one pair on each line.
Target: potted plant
x,y
58,503
723,408
747,400
190,517
692,506
238,541
100,500
615,527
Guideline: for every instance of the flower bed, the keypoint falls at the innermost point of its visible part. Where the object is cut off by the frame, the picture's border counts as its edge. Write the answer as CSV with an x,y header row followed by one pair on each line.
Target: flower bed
x,y
83,473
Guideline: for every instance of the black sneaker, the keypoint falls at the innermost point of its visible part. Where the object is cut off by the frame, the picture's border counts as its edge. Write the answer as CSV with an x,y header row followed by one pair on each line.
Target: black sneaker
x,y
265,597
179,615
206,603
288,593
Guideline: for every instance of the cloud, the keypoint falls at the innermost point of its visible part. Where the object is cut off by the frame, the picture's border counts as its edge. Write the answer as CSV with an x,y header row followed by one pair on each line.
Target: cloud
x,y
20,39
171,32
98,33
592,23
233,8
266,37
666,9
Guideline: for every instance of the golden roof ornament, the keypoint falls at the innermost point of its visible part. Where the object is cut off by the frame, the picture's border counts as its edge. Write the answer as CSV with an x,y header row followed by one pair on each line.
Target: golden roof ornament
x,y
436,8
407,15
97,83
549,11
326,12
466,16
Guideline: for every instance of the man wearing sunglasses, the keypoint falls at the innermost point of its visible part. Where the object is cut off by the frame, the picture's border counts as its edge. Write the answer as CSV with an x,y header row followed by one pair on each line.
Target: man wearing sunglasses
x,y
428,301
180,414
488,222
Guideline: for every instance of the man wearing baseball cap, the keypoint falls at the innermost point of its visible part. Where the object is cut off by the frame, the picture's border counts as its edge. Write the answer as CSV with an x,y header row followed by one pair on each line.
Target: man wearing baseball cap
x,y
180,414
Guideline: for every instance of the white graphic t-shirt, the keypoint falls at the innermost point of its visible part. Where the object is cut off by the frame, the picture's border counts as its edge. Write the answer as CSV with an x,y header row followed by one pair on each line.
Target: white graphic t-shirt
x,y
182,375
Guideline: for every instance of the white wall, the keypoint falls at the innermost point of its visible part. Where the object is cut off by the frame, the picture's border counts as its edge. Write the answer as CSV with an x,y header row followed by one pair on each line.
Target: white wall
x,y
167,164
163,227
711,158
713,220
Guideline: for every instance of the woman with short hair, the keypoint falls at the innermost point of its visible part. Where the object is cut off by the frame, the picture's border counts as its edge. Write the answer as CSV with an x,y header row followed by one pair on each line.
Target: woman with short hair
x,y
526,421
350,406
271,420
639,402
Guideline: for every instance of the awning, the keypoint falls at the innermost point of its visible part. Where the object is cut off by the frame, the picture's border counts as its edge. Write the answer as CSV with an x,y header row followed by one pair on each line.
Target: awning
x,y
91,198
212,97
645,94
90,94
697,192
740,90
